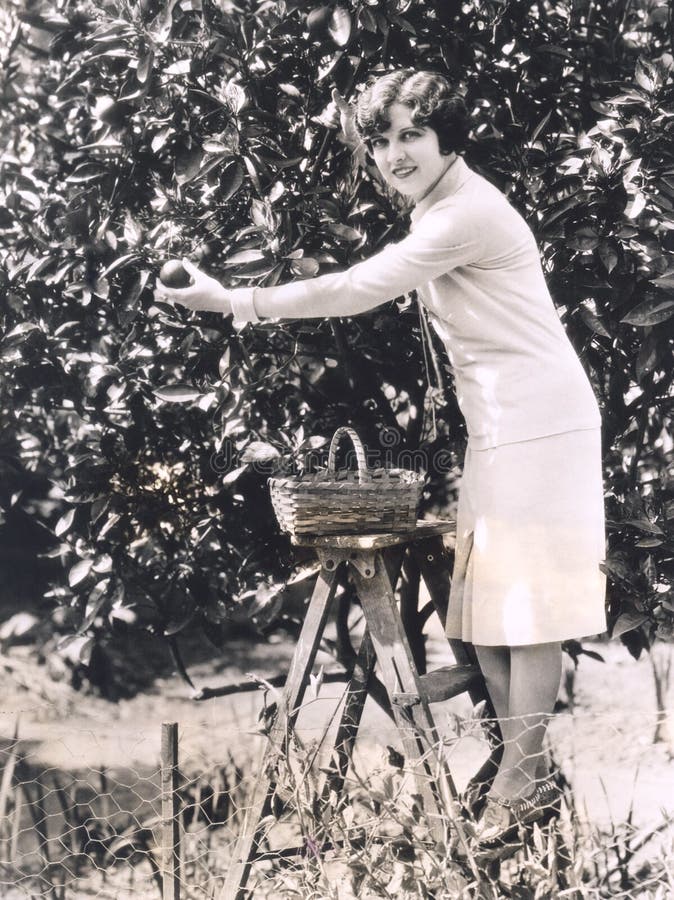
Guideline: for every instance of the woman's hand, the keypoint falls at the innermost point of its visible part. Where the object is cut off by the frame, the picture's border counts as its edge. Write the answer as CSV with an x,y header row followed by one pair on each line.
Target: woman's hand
x,y
203,294
347,121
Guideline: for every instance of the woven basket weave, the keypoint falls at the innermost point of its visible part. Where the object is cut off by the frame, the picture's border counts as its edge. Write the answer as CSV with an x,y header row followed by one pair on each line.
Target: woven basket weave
x,y
347,502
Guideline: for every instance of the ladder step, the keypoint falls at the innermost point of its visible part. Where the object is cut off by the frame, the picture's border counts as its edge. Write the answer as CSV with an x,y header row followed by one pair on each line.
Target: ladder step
x,y
442,684
449,681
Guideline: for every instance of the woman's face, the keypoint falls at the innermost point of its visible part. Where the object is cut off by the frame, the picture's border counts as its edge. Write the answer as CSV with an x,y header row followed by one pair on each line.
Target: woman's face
x,y
408,155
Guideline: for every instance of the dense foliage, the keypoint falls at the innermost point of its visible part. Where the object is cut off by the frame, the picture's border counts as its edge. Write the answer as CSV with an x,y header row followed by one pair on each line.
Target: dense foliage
x,y
141,437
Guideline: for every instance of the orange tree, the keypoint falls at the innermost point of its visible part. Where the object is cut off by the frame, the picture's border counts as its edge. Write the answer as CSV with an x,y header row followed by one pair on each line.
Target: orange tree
x,y
140,438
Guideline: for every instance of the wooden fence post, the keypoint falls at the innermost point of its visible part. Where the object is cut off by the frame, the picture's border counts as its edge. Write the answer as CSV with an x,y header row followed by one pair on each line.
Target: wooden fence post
x,y
170,829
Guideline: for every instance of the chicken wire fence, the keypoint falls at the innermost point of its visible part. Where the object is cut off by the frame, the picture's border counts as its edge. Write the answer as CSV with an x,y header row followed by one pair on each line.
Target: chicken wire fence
x,y
171,830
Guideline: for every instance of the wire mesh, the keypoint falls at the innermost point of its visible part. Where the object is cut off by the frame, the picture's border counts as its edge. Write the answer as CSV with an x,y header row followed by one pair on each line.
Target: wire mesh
x,y
71,832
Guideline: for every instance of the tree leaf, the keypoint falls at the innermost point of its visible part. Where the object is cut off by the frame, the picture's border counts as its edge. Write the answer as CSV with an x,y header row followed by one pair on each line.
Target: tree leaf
x,y
160,139
216,148
259,213
127,313
344,231
18,335
38,267
109,524
177,393
278,189
644,525
629,97
119,263
645,75
315,442
79,572
234,96
252,173
243,256
224,363
64,523
144,67
664,281
648,356
541,125
627,621
179,67
163,23
230,181
232,476
85,649
632,170
259,451
588,313
339,26
103,564
95,602
651,312
176,627
635,206
608,256
290,90
307,267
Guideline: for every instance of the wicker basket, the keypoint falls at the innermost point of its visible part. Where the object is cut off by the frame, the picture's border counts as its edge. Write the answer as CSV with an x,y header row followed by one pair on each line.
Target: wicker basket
x,y
347,502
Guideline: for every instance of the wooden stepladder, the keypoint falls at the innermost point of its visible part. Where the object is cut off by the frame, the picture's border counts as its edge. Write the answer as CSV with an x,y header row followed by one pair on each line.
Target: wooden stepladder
x,y
375,562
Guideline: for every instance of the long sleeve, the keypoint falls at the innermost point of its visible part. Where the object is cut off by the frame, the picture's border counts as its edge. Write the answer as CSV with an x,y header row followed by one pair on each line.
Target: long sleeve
x,y
441,241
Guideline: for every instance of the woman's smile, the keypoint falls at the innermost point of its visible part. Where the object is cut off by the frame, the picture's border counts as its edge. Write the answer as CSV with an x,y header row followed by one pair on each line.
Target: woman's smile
x,y
404,171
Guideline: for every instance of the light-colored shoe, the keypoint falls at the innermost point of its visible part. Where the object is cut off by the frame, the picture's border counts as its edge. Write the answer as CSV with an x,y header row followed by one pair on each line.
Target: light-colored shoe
x,y
497,820
502,819
543,803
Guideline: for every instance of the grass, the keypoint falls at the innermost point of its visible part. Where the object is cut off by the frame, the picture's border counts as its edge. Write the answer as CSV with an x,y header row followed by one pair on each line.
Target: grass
x,y
374,841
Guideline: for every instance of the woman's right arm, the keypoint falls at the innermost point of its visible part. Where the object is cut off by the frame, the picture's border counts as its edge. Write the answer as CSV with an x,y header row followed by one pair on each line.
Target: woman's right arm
x,y
438,244
441,241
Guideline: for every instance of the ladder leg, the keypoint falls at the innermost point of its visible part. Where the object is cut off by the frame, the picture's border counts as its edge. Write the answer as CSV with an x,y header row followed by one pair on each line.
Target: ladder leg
x,y
362,684
399,674
435,562
354,703
298,676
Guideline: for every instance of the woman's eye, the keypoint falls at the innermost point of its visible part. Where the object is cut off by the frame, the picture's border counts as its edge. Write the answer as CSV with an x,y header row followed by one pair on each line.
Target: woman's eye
x,y
411,135
377,142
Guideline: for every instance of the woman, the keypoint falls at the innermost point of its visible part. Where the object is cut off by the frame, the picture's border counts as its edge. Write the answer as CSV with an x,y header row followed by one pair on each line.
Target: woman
x,y
530,530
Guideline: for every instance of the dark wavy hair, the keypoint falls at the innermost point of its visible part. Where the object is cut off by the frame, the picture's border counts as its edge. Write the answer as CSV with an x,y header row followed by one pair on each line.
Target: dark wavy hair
x,y
432,99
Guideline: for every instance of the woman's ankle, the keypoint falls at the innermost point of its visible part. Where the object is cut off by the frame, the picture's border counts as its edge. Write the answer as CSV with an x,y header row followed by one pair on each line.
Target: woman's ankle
x,y
543,772
510,787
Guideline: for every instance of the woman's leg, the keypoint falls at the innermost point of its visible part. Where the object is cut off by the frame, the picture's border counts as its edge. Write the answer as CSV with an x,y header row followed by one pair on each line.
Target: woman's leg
x,y
531,676
495,666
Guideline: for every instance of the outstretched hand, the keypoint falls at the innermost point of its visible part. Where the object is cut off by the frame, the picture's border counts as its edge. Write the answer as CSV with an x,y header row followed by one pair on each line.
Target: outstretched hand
x,y
203,294
347,120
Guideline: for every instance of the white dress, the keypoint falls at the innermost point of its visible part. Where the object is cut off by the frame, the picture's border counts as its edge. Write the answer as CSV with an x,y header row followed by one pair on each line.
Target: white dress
x,y
530,538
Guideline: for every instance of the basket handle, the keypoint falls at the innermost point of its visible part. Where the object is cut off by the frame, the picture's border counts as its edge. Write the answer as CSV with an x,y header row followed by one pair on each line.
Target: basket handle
x,y
358,447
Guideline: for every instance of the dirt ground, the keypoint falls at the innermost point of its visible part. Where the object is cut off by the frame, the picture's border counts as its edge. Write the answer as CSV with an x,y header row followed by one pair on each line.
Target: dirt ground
x,y
603,740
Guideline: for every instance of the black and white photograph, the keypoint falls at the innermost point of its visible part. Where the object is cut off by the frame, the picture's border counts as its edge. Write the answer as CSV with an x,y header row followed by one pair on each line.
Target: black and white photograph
x,y
336,449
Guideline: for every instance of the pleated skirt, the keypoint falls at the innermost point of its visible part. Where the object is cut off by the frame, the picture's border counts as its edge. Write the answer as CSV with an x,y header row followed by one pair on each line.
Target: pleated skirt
x,y
530,540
